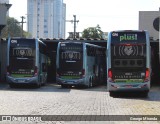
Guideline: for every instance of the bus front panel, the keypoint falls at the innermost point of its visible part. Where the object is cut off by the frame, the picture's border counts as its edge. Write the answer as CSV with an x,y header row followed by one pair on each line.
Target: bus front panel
x,y
70,69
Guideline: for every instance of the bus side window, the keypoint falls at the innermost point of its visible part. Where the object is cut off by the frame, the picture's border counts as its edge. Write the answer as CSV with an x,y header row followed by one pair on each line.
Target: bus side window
x,y
44,67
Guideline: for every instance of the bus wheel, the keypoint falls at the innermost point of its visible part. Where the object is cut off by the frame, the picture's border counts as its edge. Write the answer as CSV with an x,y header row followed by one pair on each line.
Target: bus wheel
x,y
12,85
111,93
144,94
38,85
64,85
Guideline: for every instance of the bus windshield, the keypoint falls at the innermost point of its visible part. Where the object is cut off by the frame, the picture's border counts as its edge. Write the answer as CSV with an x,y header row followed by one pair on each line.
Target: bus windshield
x,y
71,57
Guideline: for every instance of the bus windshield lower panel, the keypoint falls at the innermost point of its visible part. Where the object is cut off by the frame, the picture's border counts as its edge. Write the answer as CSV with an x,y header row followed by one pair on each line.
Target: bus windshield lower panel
x,y
128,62
71,64
22,67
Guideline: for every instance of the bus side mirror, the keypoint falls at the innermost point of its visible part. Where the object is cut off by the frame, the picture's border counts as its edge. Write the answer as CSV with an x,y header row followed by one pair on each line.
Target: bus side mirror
x,y
44,67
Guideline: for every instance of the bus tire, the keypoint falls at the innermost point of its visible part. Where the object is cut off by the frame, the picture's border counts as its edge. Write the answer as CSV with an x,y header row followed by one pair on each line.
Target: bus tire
x,y
144,94
38,85
64,86
12,85
111,93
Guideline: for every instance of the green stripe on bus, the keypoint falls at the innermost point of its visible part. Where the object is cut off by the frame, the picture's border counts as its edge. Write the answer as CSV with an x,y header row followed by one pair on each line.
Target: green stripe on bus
x,y
70,77
21,75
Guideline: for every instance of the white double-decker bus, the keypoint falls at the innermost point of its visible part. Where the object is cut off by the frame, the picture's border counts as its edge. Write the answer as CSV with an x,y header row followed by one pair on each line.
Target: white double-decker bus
x,y
80,63
26,62
128,62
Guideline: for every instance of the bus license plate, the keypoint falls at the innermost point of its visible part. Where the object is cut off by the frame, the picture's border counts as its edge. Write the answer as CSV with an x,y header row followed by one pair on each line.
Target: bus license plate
x,y
128,86
21,81
70,82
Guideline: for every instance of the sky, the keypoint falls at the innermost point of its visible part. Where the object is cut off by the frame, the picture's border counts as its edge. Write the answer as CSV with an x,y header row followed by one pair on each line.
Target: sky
x,y
108,14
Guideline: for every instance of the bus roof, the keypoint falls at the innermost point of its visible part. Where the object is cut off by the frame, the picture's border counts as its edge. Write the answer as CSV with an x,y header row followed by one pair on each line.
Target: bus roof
x,y
88,44
129,31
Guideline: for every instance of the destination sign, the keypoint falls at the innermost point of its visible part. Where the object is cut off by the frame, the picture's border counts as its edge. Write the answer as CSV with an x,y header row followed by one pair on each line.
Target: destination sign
x,y
128,37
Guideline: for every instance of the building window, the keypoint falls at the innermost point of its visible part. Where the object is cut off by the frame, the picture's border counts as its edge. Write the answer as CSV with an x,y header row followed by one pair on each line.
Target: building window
x,y
45,20
45,26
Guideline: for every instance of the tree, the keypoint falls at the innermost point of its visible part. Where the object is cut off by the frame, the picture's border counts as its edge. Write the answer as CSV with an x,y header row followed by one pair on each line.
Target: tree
x,y
93,32
13,29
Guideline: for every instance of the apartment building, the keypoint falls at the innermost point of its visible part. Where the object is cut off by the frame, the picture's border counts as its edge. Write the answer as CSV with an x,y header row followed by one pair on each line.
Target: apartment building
x,y
46,18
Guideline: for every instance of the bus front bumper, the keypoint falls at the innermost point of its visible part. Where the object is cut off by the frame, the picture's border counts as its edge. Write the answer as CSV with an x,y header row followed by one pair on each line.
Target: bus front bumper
x,y
128,87
75,82
31,80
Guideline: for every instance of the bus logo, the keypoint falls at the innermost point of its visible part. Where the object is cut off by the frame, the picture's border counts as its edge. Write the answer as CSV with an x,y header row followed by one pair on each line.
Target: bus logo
x,y
128,50
130,37
13,41
22,52
115,34
71,55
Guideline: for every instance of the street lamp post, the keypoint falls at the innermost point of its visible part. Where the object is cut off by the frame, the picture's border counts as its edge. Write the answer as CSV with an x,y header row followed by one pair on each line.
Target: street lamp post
x,y
73,21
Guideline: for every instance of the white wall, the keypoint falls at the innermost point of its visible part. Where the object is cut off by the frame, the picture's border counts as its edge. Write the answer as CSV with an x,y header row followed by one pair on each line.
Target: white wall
x,y
146,19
